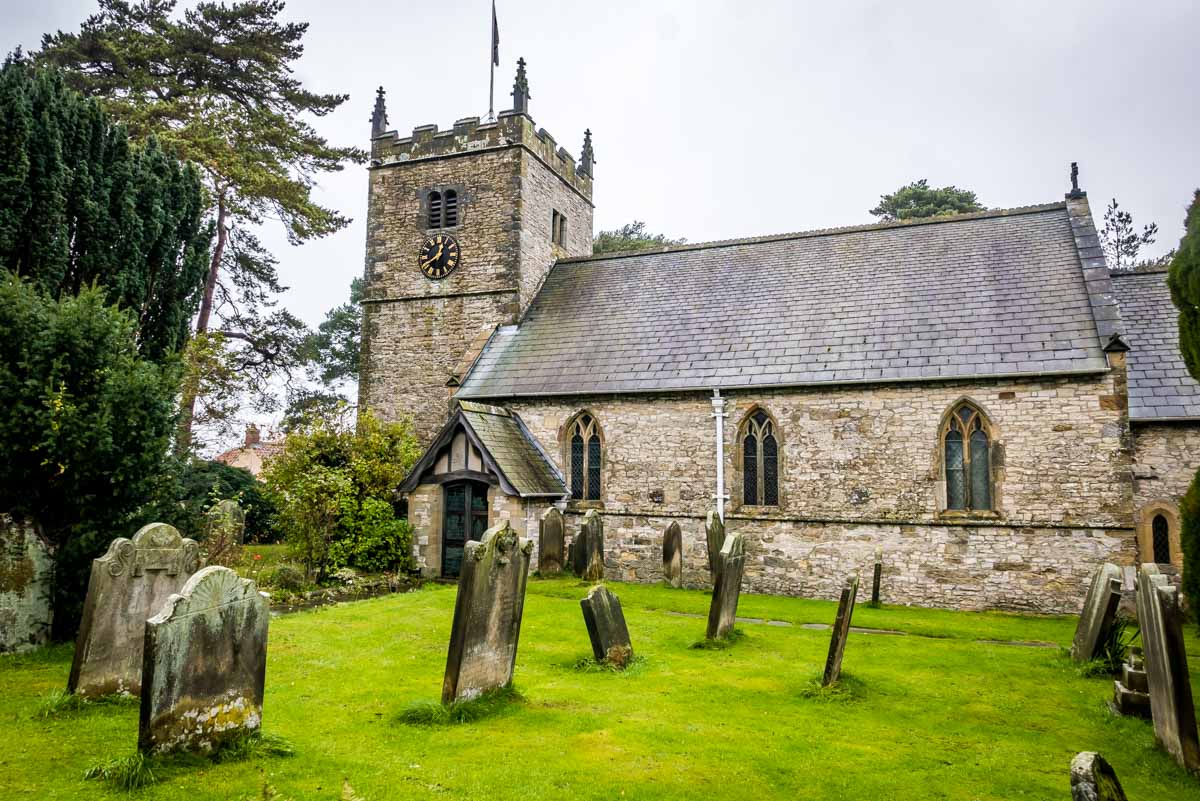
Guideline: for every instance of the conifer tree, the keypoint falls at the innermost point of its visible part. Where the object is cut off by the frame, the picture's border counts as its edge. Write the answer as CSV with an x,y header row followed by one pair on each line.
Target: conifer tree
x,y
919,199
216,86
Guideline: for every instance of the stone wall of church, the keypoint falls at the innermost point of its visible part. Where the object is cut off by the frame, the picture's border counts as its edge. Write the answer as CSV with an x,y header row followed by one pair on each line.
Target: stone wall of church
x,y
543,192
1166,457
860,468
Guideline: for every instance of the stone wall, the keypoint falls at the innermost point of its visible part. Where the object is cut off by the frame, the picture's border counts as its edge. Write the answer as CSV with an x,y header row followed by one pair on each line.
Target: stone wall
x,y
860,467
542,192
1166,457
26,578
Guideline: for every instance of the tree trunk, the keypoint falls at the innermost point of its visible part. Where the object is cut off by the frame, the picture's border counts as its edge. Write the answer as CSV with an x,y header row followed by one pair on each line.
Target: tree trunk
x,y
191,383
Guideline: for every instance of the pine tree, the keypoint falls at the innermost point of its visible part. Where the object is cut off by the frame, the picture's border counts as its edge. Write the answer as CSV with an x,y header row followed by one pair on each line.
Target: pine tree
x,y
1120,240
919,199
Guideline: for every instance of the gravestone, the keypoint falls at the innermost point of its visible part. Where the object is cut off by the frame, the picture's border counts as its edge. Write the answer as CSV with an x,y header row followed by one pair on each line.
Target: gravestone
x,y
487,614
1160,619
205,665
722,610
550,542
714,536
26,579
1093,779
1099,612
589,547
673,555
606,627
877,579
841,630
225,521
1131,692
128,584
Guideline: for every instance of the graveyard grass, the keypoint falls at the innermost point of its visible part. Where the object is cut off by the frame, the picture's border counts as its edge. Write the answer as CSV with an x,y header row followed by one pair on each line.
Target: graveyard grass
x,y
915,717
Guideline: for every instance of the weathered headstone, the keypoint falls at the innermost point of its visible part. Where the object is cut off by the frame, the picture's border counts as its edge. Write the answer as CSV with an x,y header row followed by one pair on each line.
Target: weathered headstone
x,y
589,547
205,664
128,584
1131,692
673,555
1160,619
714,536
225,521
550,542
841,630
1099,612
1093,779
877,578
26,578
487,614
722,610
606,627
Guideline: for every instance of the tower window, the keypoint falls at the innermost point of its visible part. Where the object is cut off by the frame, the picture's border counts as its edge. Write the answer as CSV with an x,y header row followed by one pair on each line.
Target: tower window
x,y
443,209
558,228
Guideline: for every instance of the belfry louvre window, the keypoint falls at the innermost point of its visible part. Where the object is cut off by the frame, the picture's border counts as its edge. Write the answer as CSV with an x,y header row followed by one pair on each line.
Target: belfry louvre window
x,y
443,209
760,461
967,450
585,459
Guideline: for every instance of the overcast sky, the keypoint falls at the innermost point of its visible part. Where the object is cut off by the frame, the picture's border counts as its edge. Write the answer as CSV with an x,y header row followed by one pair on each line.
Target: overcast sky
x,y
726,119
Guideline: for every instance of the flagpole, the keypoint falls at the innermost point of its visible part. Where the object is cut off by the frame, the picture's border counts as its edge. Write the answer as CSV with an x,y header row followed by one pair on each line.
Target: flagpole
x,y
494,57
492,93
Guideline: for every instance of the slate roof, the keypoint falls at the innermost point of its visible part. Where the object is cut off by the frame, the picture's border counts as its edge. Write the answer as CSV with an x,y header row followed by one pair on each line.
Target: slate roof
x,y
508,448
988,294
1160,387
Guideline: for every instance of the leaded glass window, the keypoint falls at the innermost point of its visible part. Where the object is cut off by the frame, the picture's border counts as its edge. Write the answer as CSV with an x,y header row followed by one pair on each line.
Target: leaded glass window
x,y
1161,531
760,461
585,459
968,461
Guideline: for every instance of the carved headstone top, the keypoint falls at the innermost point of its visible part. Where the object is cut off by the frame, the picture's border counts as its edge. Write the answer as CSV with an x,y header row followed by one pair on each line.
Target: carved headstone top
x,y
129,583
487,614
1099,612
205,664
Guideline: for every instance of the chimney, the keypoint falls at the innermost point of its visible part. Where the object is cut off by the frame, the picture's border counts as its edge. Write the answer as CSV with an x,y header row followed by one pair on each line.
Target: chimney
x,y
252,436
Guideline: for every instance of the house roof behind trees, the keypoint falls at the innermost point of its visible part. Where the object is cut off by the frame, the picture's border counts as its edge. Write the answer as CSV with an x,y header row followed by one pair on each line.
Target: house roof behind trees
x,y
989,294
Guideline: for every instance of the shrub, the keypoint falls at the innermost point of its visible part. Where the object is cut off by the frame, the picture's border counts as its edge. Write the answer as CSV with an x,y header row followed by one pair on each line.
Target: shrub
x,y
333,489
1189,539
288,578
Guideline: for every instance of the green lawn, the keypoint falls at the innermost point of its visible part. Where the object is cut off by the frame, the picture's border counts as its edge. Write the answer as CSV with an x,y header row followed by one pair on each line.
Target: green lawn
x,y
925,717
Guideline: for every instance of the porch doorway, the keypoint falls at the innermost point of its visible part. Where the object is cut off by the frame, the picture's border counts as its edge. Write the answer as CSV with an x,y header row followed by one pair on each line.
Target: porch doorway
x,y
465,518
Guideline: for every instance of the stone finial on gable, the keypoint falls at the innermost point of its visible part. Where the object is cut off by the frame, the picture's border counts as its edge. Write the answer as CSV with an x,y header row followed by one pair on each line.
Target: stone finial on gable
x,y
589,157
379,120
520,92
1075,192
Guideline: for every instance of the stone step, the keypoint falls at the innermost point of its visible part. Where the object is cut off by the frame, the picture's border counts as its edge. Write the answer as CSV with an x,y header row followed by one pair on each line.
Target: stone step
x,y
1130,702
1134,679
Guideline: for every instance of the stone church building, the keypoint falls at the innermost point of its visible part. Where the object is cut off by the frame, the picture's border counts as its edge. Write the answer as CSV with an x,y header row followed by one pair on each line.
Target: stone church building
x,y
974,395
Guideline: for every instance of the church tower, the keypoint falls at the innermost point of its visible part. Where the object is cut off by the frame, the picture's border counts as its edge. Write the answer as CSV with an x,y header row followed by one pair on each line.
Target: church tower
x,y
462,228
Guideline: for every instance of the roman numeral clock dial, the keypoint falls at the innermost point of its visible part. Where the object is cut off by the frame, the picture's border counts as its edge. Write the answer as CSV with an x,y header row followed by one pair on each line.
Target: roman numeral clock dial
x,y
439,256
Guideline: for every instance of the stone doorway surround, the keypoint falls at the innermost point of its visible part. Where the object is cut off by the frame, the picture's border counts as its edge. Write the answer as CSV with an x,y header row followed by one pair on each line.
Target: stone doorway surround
x,y
1145,531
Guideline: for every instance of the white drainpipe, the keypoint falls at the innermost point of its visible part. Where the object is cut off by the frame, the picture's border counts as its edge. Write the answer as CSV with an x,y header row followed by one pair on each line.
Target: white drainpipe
x,y
718,405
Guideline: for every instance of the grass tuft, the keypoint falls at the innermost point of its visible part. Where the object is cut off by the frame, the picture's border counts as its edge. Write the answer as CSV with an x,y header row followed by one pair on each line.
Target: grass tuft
x,y
250,746
126,773
721,643
431,713
588,664
846,690
60,702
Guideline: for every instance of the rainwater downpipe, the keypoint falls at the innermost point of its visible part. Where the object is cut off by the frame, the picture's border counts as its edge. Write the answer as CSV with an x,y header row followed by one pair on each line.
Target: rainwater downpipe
x,y
718,413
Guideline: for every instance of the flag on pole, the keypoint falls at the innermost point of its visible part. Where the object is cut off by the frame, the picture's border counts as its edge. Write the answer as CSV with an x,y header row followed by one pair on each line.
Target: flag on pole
x,y
495,37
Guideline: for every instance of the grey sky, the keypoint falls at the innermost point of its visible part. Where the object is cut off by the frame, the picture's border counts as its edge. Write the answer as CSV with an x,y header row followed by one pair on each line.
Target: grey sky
x,y
723,119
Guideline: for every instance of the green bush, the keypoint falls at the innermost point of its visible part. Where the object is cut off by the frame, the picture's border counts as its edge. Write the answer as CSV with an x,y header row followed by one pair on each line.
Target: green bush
x,y
1189,539
376,541
189,487
287,577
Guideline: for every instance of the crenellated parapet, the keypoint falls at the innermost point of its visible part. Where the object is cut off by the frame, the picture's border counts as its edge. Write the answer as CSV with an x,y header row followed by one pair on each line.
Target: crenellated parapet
x,y
469,135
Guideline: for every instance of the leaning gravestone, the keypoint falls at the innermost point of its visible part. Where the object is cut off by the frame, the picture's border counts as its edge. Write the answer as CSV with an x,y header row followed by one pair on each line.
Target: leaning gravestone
x,y
841,630
128,584
722,610
714,534
1160,619
225,522
205,665
606,627
1093,779
589,547
487,614
1099,612
673,555
550,542
26,576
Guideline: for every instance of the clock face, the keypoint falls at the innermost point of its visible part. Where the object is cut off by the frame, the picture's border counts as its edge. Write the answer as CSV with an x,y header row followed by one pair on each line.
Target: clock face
x,y
439,256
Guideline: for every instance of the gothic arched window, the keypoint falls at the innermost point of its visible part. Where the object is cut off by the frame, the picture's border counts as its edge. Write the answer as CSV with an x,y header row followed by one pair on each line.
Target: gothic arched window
x,y
760,461
583,435
1161,533
967,454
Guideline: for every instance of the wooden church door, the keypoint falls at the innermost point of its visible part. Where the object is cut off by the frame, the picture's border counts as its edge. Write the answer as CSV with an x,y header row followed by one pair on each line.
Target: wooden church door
x,y
465,518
